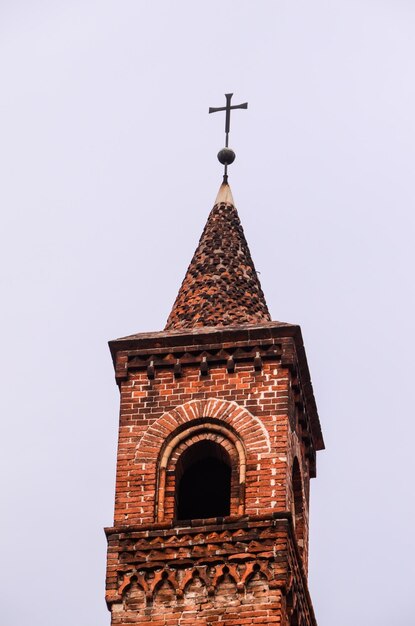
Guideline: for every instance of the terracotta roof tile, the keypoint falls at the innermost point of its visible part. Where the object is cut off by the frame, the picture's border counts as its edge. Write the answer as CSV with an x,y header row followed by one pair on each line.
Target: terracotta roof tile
x,y
221,286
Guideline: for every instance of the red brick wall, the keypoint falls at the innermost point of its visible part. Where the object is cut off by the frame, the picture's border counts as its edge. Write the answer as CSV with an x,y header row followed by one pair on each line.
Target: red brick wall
x,y
149,410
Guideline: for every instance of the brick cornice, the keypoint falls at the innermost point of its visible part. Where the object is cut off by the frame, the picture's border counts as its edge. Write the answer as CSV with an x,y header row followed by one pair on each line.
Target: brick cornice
x,y
203,336
205,346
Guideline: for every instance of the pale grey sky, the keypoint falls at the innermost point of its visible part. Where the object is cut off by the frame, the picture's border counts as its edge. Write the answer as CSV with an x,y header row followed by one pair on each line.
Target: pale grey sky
x,y
108,168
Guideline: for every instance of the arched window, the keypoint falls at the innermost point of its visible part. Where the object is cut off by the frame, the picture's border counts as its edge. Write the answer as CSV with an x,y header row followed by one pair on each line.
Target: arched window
x,y
298,505
203,482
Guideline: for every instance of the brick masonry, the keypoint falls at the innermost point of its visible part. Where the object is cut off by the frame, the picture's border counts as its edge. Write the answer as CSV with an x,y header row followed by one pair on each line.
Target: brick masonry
x,y
247,389
221,286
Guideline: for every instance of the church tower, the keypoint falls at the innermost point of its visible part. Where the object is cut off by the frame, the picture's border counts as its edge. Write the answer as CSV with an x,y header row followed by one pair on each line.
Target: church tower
x,y
217,444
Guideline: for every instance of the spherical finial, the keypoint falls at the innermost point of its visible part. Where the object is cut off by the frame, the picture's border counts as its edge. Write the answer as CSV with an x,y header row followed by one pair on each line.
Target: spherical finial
x,y
226,156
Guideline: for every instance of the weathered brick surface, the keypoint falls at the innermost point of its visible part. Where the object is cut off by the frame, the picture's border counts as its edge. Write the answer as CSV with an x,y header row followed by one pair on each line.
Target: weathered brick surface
x,y
252,398
152,410
237,572
222,380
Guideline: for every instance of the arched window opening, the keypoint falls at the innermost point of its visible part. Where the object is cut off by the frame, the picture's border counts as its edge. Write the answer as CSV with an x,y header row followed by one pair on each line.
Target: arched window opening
x,y
298,505
203,482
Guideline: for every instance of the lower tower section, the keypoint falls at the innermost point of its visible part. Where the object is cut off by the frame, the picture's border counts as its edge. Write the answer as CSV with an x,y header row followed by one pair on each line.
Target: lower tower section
x,y
233,572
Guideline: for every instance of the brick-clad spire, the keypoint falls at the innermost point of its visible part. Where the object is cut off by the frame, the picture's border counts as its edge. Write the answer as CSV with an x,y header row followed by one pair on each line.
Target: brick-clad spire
x,y
221,286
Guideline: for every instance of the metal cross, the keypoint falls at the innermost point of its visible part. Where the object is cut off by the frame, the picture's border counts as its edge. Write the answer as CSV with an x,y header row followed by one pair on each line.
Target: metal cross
x,y
228,109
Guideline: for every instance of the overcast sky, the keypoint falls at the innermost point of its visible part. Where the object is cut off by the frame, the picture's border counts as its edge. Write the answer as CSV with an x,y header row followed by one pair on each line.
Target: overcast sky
x,y
108,172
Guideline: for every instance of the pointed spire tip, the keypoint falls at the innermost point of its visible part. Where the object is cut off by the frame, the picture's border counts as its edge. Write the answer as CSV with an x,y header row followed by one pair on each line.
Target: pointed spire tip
x,y
224,195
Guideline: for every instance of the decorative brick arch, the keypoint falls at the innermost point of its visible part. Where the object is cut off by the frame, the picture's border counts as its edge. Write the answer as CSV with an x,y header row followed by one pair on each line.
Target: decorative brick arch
x,y
238,431
249,428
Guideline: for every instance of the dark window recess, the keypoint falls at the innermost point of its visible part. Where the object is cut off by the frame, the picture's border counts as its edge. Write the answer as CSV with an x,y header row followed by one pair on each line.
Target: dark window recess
x,y
203,480
294,619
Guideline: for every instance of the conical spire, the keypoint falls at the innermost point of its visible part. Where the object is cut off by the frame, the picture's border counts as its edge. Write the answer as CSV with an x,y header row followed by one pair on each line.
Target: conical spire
x,y
221,286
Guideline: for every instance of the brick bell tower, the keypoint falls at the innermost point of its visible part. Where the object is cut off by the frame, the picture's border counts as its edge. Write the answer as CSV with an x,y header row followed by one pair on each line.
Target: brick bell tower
x,y
217,444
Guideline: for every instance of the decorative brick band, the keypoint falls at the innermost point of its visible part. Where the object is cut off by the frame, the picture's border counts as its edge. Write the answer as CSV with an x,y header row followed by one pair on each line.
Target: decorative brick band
x,y
180,568
239,575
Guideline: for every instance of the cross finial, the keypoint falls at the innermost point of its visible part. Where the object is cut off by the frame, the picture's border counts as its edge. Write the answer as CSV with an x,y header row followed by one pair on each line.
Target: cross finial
x,y
226,156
